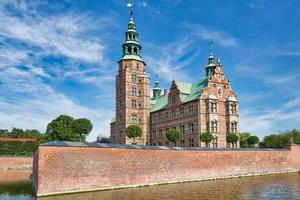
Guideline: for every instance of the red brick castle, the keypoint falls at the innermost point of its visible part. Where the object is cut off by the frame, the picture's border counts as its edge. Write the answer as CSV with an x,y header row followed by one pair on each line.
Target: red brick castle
x,y
208,105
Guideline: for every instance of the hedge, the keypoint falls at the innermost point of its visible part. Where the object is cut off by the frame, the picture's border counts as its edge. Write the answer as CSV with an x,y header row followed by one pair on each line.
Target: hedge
x,y
17,148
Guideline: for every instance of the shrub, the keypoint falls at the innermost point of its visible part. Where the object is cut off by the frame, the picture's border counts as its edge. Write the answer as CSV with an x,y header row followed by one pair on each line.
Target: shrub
x,y
173,135
206,137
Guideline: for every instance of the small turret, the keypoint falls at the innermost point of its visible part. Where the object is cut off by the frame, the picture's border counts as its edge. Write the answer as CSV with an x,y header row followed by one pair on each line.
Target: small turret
x,y
210,68
156,89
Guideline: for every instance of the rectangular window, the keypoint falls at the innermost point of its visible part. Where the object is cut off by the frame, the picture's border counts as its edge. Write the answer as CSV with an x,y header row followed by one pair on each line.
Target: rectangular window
x,y
154,135
191,142
182,129
213,107
167,143
160,133
133,78
233,110
233,127
173,114
173,100
133,91
214,126
190,110
134,118
160,144
215,142
182,112
166,115
191,128
182,143
133,103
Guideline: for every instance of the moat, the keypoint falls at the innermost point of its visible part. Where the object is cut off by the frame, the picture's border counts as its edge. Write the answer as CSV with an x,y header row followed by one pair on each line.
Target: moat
x,y
16,185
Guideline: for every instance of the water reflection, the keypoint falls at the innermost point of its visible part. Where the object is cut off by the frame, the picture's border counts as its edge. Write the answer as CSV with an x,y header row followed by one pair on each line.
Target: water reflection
x,y
286,186
274,187
15,184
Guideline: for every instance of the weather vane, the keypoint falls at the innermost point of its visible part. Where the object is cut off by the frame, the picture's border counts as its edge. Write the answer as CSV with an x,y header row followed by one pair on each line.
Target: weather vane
x,y
130,5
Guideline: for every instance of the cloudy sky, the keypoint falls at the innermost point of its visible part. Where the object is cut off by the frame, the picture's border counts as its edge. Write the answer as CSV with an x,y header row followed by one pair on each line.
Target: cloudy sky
x,y
60,57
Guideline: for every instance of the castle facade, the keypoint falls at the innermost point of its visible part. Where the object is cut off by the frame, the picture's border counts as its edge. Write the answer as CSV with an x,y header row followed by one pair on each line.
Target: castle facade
x,y
208,105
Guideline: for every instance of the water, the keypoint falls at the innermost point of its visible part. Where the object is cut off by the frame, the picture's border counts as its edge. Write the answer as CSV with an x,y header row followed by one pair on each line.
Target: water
x,y
273,187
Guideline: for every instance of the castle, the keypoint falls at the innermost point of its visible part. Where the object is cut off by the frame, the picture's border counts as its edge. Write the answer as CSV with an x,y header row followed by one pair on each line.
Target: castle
x,y
208,105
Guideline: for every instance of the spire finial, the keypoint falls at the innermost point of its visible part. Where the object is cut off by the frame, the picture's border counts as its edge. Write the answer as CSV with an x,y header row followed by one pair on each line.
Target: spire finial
x,y
211,42
219,60
130,5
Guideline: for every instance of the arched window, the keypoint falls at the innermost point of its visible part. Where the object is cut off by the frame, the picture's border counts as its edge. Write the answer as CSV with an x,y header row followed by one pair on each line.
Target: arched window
x,y
135,50
129,50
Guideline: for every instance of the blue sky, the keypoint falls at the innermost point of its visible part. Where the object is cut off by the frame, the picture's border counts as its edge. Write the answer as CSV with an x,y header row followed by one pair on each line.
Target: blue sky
x,y
60,57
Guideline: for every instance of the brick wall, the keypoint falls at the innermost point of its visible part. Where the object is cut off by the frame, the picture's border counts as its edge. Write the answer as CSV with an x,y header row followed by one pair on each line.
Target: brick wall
x,y
74,169
15,162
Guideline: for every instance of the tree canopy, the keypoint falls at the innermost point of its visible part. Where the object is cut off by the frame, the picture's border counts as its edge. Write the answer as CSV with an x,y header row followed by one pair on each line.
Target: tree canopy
x,y
20,133
232,138
133,131
252,140
173,135
206,137
63,128
82,127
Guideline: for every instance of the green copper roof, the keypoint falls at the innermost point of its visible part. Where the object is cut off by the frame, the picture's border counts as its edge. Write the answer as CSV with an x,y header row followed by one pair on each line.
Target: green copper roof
x,y
184,88
188,92
160,103
132,56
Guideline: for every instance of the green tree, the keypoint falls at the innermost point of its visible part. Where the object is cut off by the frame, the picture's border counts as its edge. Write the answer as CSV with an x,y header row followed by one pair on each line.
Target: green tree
x,y
244,140
295,136
61,129
232,138
133,131
82,127
173,135
274,141
17,133
207,138
3,133
252,140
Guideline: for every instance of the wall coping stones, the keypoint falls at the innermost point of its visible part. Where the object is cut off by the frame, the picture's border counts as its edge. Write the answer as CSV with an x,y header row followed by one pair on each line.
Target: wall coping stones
x,y
124,146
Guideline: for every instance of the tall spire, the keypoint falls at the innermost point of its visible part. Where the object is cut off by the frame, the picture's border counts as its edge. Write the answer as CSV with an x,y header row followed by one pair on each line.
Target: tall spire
x,y
210,68
211,59
131,46
156,89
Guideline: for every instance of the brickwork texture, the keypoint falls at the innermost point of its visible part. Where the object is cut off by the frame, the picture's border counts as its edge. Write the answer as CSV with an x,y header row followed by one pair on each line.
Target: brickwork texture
x,y
76,169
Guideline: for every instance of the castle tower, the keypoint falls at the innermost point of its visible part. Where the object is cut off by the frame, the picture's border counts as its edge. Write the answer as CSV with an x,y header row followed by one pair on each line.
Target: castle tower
x,y
132,90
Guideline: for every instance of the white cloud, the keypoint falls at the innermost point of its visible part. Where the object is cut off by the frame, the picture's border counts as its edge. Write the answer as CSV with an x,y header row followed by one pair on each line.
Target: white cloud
x,y
27,36
205,33
167,60
143,4
272,120
64,34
